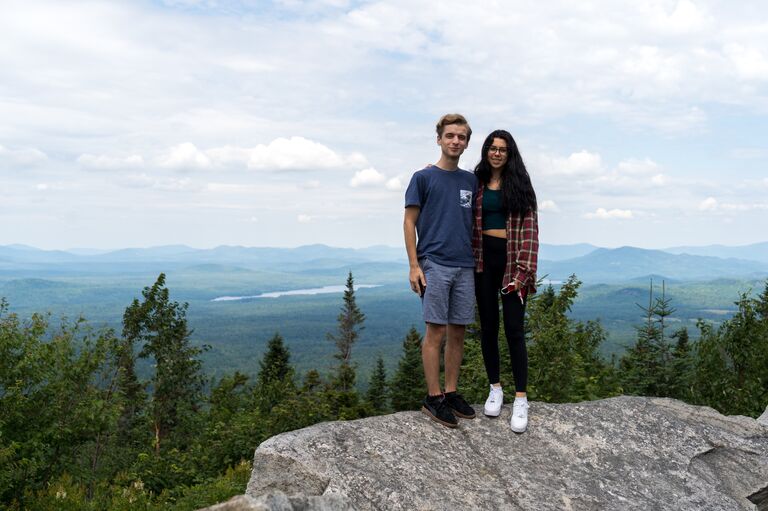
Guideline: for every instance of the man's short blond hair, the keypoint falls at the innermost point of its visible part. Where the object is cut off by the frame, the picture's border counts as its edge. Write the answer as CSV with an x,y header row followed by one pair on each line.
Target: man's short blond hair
x,y
452,119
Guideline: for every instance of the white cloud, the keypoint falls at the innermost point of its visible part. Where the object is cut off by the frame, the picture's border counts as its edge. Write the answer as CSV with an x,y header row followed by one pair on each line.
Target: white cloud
x,y
708,204
750,63
304,219
548,205
577,164
124,86
42,186
395,184
294,153
185,156
104,162
604,214
26,157
634,167
367,177
686,17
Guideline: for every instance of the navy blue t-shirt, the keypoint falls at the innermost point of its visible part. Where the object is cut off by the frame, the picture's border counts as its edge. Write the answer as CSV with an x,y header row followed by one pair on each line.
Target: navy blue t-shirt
x,y
444,226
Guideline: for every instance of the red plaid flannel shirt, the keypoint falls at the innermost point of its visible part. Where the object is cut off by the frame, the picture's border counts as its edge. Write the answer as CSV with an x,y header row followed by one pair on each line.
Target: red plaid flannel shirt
x,y
522,248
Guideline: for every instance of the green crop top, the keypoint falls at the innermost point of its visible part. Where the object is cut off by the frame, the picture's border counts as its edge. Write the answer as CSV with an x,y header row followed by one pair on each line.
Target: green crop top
x,y
494,216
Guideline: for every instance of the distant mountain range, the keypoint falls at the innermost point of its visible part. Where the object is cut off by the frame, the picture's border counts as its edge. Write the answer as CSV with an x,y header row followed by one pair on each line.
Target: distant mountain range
x,y
630,263
590,263
754,252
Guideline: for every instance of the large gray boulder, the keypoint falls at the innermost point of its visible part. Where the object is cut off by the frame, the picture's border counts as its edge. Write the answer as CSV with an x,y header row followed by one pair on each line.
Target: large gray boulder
x,y
619,453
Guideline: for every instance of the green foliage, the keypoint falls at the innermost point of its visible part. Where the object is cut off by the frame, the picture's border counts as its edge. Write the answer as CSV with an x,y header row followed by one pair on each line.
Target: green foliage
x,y
377,396
160,325
644,365
408,386
341,393
473,379
653,366
308,406
232,427
350,321
681,367
58,404
275,366
564,360
731,364
276,375
65,494
80,429
216,490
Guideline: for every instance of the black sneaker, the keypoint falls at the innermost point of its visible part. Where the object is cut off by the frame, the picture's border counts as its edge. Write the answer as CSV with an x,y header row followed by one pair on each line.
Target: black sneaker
x,y
436,409
459,406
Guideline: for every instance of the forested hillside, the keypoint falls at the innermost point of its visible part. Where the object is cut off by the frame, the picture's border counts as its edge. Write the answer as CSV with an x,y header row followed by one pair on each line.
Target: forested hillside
x,y
80,428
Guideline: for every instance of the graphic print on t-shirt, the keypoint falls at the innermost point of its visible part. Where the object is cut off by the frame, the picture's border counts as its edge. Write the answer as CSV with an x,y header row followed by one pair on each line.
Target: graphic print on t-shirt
x,y
465,198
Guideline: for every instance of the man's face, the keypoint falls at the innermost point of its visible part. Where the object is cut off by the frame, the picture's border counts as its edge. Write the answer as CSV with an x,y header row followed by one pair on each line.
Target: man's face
x,y
453,140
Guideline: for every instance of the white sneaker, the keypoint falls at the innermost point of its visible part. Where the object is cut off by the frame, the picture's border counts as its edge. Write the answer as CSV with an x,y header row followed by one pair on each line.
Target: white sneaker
x,y
519,420
493,404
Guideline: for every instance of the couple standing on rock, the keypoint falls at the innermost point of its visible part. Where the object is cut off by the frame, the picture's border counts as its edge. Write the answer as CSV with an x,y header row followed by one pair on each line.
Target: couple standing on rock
x,y
472,237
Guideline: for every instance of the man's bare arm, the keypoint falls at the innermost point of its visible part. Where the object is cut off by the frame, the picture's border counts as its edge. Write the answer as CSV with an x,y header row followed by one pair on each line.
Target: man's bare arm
x,y
415,275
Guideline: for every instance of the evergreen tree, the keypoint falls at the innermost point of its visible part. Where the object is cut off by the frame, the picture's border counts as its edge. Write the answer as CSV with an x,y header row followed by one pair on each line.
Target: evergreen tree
x,y
341,394
160,326
681,366
378,393
276,375
408,386
646,366
312,381
275,366
350,321
310,405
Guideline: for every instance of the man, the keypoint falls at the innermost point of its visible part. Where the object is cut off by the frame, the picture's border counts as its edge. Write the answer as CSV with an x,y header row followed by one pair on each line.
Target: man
x,y
438,207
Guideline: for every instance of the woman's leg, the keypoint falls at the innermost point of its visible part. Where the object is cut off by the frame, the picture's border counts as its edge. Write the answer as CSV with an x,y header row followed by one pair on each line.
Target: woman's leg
x,y
514,328
488,309
487,285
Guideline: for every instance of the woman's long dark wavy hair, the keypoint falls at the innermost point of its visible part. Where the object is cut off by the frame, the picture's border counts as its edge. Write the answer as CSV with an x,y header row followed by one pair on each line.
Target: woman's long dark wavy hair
x,y
517,195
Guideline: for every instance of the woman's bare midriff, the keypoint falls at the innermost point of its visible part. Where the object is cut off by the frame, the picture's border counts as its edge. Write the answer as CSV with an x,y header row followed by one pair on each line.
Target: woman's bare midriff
x,y
496,233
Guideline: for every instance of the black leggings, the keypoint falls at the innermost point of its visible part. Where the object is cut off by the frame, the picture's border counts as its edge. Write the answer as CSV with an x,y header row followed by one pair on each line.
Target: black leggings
x,y
487,286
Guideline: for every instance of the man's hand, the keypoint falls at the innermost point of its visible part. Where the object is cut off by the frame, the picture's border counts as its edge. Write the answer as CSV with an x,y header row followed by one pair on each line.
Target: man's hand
x,y
418,280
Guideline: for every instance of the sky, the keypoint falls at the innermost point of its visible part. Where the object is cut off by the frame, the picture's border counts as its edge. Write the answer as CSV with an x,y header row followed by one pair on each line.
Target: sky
x,y
286,123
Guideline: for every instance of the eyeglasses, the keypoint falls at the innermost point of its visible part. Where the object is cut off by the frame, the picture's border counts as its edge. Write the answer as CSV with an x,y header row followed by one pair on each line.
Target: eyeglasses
x,y
500,150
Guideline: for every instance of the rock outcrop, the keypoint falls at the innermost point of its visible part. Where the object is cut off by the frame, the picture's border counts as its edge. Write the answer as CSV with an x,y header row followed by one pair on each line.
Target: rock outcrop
x,y
619,453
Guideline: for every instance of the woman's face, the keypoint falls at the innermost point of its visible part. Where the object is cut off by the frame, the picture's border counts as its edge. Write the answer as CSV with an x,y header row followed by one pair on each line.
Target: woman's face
x,y
497,153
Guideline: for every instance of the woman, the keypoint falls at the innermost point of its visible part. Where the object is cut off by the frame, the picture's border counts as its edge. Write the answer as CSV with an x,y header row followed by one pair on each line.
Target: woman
x,y
505,245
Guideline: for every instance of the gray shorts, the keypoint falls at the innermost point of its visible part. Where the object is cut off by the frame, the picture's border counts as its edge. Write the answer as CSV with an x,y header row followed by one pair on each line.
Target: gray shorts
x,y
450,294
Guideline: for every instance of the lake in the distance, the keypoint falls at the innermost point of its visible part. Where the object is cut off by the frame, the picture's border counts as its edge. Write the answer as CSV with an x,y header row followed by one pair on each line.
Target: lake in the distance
x,y
294,292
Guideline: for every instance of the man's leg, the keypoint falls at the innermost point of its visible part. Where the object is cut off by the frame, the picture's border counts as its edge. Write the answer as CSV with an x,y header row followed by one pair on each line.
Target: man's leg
x,y
435,305
454,353
461,312
430,356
